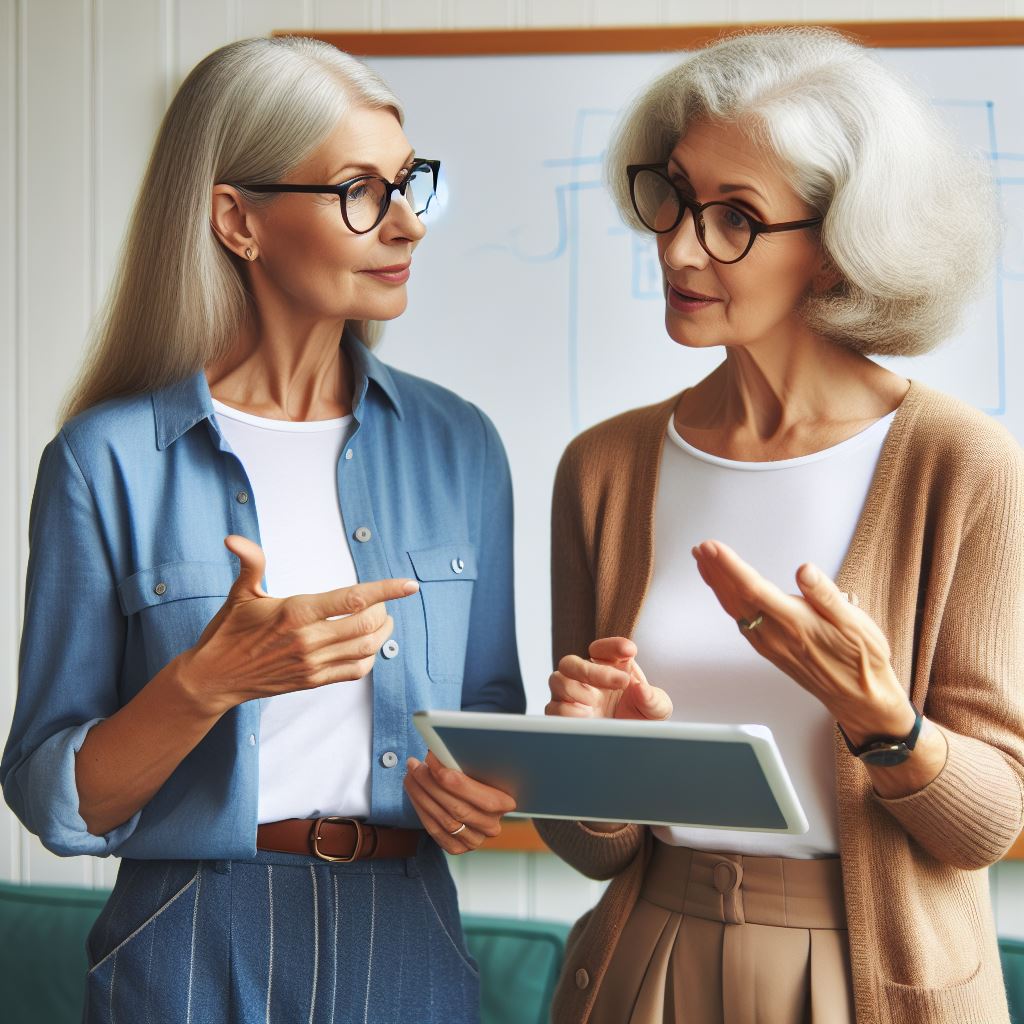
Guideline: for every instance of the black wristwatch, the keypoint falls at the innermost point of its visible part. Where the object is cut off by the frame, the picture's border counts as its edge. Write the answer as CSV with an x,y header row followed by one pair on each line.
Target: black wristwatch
x,y
886,751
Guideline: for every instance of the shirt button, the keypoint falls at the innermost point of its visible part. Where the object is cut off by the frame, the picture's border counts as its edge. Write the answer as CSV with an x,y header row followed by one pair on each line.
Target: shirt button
x,y
389,759
252,739
363,534
390,649
348,455
582,978
458,565
242,497
160,589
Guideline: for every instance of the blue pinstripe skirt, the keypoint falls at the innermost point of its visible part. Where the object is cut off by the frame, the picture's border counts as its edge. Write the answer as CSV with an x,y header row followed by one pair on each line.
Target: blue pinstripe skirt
x,y
284,939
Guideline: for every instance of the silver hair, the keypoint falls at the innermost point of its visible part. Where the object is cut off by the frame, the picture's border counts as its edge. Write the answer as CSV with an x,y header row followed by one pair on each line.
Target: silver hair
x,y
910,217
250,111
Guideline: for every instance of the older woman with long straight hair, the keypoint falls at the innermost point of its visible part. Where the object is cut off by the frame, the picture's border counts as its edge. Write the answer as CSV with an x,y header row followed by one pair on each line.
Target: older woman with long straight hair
x,y
810,212
233,437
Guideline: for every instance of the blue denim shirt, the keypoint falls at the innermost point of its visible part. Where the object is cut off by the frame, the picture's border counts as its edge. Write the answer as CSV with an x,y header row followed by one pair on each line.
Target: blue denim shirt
x,y
127,565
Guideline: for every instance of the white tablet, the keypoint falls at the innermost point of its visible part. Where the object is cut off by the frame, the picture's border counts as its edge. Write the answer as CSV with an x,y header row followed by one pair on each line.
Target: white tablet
x,y
653,773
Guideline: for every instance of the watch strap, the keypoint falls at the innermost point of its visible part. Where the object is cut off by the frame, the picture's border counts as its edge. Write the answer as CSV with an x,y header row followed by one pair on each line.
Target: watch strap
x,y
909,741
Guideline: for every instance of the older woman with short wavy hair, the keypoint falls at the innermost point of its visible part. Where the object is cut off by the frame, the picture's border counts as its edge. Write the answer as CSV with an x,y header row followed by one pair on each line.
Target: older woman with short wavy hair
x,y
810,212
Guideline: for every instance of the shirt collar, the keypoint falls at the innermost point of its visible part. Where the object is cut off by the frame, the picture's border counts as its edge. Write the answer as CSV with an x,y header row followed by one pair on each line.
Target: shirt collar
x,y
178,407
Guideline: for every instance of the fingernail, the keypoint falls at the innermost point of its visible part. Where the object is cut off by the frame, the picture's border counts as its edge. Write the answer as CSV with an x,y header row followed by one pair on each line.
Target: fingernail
x,y
411,586
809,575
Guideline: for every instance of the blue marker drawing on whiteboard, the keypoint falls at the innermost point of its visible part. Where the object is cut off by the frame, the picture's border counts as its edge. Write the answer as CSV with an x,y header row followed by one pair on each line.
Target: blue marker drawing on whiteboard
x,y
584,169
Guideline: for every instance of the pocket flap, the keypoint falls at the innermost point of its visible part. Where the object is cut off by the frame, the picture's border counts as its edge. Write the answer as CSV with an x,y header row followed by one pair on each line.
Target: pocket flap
x,y
454,561
174,581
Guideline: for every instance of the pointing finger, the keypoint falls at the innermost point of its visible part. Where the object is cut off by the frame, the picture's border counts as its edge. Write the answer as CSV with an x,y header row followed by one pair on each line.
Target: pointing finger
x,y
347,600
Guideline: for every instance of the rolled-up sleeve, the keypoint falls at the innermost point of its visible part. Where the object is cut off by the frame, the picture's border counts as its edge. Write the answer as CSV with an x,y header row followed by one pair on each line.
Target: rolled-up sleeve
x,y
71,654
492,680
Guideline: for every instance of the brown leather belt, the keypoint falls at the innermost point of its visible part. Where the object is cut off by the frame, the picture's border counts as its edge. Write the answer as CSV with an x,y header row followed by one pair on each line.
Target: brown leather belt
x,y
337,839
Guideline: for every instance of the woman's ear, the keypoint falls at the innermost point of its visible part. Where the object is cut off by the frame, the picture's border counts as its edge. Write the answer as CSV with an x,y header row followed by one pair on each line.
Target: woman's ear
x,y
231,224
827,275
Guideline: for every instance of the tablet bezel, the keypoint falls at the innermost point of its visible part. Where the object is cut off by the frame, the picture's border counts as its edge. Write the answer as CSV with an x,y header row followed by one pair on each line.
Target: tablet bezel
x,y
758,737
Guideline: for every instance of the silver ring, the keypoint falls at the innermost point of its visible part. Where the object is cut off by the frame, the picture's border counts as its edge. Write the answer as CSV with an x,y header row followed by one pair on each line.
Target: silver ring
x,y
751,624
458,830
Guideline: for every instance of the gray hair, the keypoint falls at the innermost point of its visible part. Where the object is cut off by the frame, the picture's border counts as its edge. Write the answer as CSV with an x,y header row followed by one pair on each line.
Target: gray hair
x,y
250,111
910,219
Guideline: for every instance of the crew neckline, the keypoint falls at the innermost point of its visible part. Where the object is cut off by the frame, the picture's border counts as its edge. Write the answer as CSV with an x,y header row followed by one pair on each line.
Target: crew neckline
x,y
875,432
286,426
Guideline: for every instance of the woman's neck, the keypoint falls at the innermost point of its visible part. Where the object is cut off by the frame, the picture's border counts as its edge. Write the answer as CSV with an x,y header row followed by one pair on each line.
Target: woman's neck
x,y
293,372
775,402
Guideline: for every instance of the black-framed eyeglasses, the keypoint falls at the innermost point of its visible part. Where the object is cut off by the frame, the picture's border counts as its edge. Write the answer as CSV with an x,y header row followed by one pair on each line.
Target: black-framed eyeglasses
x,y
365,200
724,231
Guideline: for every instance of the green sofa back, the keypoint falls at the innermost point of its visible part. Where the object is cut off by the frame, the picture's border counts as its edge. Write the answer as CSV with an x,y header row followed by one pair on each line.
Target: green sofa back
x,y
42,957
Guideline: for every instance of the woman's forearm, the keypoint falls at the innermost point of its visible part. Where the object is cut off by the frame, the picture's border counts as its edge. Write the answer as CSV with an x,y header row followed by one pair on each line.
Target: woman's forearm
x,y
921,768
126,758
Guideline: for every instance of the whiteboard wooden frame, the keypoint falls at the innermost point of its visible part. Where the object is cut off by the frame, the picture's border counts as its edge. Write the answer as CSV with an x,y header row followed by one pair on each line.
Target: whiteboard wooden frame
x,y
757,737
656,38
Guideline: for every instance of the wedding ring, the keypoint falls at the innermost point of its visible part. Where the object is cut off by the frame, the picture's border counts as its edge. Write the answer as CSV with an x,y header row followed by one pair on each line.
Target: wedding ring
x,y
458,830
751,624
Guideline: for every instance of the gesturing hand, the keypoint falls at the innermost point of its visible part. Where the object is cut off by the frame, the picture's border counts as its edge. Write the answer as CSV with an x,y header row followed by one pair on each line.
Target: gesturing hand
x,y
259,646
457,811
610,685
824,642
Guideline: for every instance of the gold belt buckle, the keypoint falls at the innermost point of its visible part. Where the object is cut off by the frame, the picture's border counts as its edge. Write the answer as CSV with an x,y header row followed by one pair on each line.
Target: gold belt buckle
x,y
315,839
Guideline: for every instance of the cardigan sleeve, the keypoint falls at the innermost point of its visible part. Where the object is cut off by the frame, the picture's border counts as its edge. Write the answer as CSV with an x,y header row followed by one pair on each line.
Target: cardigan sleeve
x,y
573,610
973,810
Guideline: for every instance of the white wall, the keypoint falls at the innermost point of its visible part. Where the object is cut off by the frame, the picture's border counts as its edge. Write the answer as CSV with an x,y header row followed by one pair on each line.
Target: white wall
x,y
82,86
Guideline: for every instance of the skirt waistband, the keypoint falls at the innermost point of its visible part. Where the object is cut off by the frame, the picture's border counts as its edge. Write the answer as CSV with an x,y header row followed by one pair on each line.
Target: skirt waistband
x,y
734,889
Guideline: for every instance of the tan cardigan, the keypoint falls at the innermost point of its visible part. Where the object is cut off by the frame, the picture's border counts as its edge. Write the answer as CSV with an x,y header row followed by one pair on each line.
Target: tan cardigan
x,y
937,560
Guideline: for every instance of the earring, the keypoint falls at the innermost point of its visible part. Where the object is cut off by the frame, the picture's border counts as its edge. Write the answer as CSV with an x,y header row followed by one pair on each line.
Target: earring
x,y
250,255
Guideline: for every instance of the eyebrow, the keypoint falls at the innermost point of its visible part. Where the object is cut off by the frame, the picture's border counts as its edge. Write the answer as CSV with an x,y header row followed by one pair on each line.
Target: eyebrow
x,y
723,189
368,169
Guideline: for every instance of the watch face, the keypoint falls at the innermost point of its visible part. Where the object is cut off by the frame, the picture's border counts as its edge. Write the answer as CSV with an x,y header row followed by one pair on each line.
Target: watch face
x,y
886,755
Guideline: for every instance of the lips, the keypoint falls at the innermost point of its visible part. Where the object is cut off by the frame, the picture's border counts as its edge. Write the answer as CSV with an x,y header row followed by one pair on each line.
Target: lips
x,y
395,268
395,273
693,296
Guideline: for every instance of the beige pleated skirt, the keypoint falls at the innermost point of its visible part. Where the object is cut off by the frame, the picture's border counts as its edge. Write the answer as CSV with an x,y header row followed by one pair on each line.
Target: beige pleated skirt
x,y
717,938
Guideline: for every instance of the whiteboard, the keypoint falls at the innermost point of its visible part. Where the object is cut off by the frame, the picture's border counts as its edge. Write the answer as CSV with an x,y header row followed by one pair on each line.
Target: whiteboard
x,y
531,298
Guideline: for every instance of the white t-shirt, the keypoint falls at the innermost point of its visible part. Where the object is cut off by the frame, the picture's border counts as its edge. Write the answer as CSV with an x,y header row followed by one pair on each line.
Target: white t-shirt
x,y
776,516
315,745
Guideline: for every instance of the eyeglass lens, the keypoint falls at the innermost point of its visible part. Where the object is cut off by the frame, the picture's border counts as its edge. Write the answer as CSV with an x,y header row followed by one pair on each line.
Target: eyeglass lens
x,y
367,200
724,231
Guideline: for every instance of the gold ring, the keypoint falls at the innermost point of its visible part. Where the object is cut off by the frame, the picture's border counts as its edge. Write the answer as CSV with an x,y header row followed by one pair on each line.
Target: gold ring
x,y
751,624
458,830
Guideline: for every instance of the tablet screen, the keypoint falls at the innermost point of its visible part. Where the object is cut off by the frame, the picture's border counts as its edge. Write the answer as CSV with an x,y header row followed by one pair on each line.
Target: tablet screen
x,y
683,782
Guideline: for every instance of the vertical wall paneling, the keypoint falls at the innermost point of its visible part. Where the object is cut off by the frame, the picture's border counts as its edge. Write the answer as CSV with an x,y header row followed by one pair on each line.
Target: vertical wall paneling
x,y
10,520
482,13
558,13
200,26
405,14
56,196
261,17
356,15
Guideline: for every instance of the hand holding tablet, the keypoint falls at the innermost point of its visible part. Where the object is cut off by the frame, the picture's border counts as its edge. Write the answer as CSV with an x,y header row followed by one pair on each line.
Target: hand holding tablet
x,y
656,773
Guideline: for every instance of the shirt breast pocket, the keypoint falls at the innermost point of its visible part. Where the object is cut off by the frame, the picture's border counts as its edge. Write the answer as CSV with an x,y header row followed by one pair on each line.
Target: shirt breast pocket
x,y
173,603
446,574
